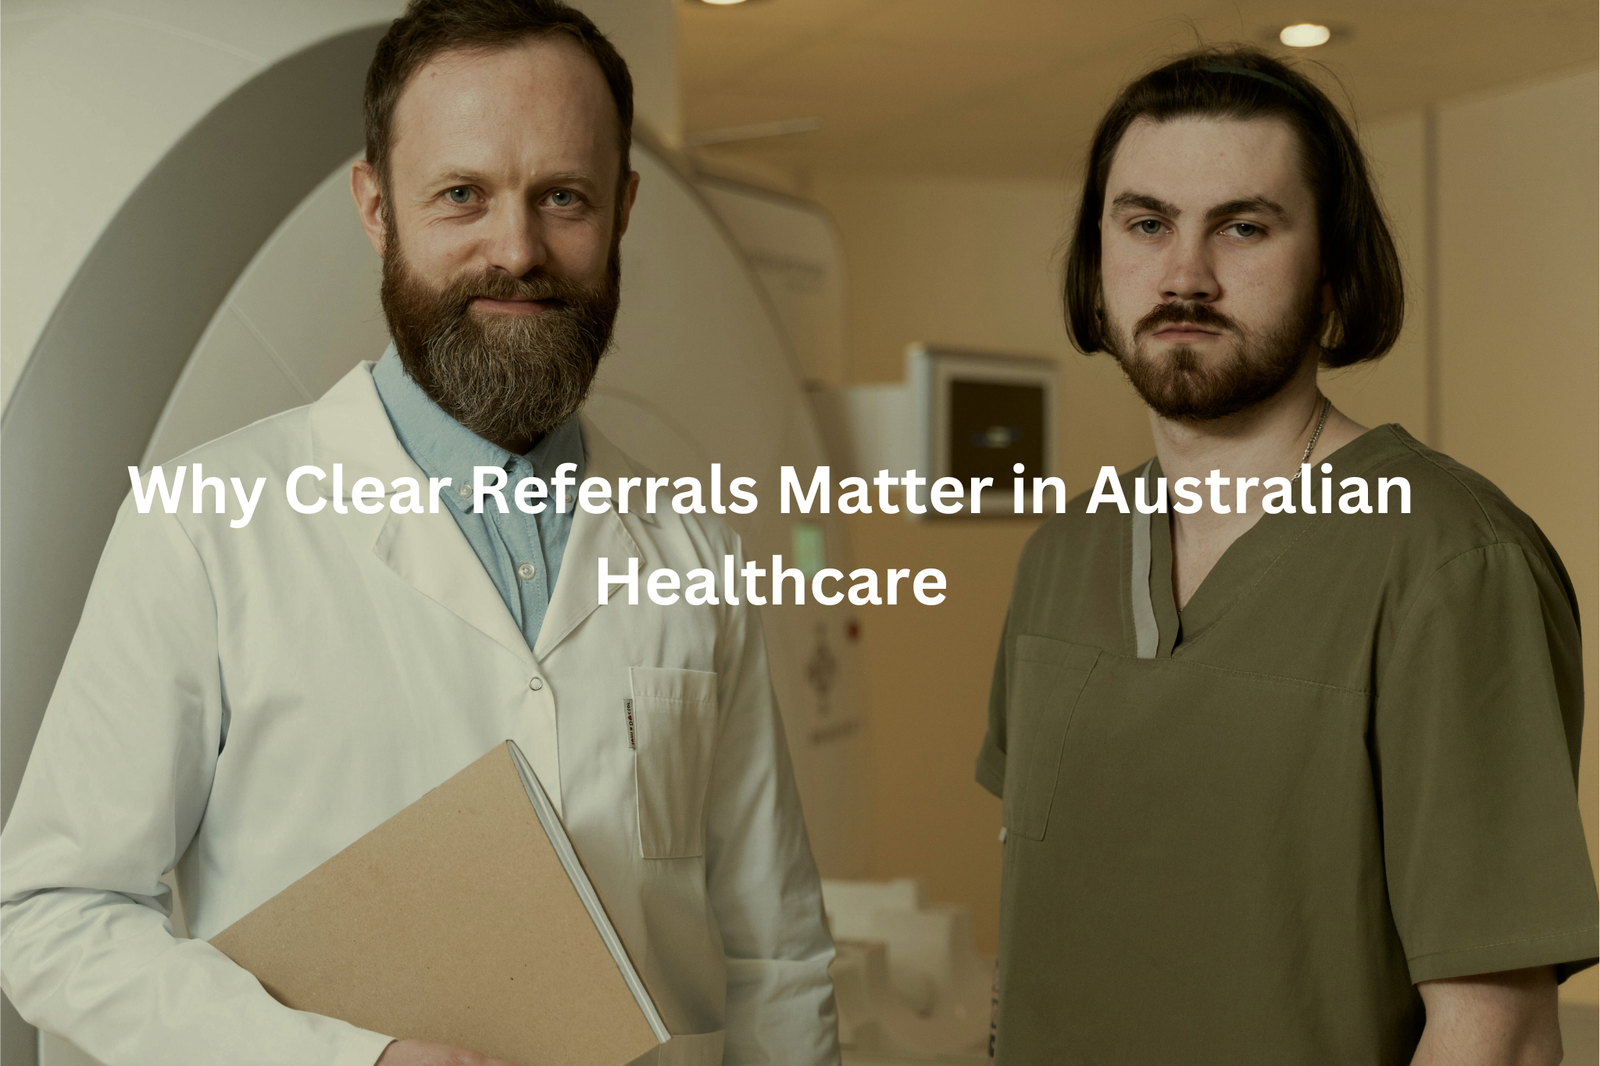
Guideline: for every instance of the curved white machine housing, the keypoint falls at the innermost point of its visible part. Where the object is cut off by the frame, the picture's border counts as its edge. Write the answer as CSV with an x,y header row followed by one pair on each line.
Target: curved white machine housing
x,y
182,258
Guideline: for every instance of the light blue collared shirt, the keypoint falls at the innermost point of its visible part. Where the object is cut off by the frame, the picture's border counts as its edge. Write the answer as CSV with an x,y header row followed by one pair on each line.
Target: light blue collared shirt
x,y
521,552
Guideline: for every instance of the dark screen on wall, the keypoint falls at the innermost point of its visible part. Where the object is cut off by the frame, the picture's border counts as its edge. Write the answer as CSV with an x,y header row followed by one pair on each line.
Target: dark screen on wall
x,y
993,426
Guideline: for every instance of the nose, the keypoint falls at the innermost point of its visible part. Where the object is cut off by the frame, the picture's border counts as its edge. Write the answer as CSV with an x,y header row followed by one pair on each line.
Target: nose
x,y
1189,273
514,238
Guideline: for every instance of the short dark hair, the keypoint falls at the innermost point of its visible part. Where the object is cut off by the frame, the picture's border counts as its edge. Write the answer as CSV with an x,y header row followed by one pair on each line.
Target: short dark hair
x,y
1358,254
430,27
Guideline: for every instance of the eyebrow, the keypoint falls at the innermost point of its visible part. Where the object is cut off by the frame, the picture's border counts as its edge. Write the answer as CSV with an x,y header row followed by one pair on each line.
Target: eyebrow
x,y
1145,202
571,177
1254,205
1248,205
468,177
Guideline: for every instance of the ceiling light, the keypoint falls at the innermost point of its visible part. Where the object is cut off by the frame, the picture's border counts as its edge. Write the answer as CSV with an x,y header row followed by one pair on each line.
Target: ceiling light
x,y
722,3
1300,35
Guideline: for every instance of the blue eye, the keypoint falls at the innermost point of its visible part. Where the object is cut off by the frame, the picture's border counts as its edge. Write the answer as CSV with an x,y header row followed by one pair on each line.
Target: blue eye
x,y
459,195
563,198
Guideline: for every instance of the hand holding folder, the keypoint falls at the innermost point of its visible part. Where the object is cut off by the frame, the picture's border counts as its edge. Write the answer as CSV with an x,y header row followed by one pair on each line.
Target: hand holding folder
x,y
466,920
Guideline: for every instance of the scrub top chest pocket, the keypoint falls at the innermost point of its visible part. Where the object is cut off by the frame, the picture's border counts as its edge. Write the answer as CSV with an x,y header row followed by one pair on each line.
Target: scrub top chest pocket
x,y
674,733
1046,677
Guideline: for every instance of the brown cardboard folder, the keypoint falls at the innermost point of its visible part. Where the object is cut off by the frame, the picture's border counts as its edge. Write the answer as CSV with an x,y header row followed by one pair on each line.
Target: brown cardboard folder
x,y
465,919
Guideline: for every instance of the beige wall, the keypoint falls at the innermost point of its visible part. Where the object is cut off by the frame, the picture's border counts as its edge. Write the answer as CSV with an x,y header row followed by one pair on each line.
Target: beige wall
x,y
975,263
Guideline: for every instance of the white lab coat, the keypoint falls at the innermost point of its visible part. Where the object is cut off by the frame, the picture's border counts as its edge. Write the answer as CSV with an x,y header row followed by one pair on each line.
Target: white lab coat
x,y
244,703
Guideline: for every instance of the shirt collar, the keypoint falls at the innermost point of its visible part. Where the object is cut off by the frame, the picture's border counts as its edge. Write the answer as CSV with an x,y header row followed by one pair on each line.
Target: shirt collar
x,y
443,447
564,444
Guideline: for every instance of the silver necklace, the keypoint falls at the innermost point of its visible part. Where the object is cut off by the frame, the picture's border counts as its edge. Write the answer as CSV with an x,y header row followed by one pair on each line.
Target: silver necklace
x,y
1327,405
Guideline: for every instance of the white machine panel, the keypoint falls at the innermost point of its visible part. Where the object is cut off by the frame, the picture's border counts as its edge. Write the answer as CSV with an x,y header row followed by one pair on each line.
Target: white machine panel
x,y
794,250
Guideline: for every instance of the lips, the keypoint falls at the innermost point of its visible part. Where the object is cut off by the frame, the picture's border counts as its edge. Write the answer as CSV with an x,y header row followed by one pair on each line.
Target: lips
x,y
515,304
1185,330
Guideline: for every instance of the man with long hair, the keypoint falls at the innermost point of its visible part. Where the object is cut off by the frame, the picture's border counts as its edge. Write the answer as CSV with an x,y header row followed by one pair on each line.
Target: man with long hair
x,y
1284,780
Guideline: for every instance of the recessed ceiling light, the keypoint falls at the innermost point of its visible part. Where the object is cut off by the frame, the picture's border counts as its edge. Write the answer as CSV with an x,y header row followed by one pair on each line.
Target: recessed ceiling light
x,y
1300,35
722,3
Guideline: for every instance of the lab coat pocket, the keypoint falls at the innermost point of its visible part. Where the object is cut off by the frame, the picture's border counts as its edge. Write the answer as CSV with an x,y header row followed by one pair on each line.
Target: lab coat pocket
x,y
675,726
1046,677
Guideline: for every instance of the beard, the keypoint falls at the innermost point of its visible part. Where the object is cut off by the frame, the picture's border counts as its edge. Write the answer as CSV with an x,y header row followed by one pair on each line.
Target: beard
x,y
506,377
1180,386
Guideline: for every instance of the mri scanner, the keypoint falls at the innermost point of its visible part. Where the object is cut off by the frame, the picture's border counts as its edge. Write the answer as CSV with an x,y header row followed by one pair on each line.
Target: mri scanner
x,y
182,258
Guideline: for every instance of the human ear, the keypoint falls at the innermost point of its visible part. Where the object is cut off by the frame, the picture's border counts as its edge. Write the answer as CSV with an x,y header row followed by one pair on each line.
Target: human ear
x,y
628,194
367,191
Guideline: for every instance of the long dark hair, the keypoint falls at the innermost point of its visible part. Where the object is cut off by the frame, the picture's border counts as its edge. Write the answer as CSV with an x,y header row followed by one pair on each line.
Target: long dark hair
x,y
1358,254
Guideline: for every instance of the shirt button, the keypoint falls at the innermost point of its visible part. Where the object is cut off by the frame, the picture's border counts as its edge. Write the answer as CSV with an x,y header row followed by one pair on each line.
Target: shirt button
x,y
464,491
536,684
526,571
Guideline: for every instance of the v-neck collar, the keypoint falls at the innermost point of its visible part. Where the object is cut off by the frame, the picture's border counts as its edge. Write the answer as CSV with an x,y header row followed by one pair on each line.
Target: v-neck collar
x,y
1248,560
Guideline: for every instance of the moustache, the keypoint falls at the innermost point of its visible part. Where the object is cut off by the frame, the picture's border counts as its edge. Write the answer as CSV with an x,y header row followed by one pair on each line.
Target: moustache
x,y
545,288
1196,314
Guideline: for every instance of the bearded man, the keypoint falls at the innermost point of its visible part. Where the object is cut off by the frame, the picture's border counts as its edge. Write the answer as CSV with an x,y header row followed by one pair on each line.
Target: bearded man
x,y
1293,787
241,704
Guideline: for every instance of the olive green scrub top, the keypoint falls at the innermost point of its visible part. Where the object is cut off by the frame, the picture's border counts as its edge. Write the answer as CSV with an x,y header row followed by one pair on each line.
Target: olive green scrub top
x,y
1347,766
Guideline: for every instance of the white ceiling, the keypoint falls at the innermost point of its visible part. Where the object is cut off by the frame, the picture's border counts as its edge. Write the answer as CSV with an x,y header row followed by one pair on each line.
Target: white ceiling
x,y
1014,87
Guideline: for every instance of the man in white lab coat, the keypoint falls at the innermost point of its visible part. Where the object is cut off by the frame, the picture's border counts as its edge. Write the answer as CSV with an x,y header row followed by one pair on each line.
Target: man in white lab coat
x,y
241,703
